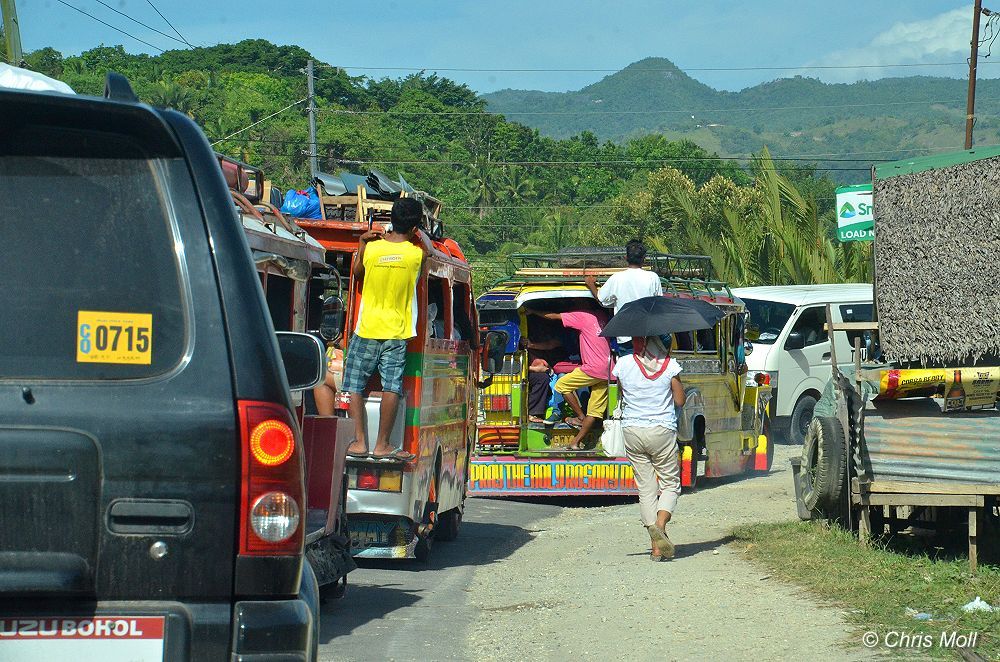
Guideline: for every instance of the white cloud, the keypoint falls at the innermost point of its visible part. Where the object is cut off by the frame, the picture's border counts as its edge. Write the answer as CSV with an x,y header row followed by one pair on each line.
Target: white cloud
x,y
942,38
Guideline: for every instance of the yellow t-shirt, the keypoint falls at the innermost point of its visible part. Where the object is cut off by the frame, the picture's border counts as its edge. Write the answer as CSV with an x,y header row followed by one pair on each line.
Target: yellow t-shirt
x,y
388,295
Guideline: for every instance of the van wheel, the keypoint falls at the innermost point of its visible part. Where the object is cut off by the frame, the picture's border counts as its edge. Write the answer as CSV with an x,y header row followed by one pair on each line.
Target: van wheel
x,y
802,414
824,466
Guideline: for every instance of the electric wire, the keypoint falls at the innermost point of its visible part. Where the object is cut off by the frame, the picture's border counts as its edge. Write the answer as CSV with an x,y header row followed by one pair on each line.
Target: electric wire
x,y
339,111
138,22
263,119
131,36
167,21
652,69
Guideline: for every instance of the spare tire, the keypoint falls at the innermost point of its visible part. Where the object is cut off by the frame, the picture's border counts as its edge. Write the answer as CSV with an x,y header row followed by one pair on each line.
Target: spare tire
x,y
824,464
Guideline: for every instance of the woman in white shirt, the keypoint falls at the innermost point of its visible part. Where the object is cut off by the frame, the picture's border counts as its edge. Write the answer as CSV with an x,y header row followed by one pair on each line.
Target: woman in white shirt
x,y
651,389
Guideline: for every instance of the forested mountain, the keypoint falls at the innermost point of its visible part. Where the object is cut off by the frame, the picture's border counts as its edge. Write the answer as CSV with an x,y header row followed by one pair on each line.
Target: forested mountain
x,y
506,186
791,115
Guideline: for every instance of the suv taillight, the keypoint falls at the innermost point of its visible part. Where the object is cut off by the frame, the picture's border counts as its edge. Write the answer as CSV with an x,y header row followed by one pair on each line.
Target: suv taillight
x,y
272,504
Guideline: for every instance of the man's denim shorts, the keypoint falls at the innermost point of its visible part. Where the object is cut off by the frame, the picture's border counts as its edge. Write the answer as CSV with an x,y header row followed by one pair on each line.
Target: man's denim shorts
x,y
365,356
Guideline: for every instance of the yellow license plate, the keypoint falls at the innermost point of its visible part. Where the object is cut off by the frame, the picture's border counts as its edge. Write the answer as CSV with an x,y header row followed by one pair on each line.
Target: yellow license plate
x,y
104,337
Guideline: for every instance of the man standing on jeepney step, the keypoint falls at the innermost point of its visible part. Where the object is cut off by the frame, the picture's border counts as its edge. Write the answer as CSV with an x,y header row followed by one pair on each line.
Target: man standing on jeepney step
x,y
626,286
594,370
387,318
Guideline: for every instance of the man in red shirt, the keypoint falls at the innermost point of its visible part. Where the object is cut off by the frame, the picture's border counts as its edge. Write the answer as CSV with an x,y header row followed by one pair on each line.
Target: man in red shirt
x,y
594,371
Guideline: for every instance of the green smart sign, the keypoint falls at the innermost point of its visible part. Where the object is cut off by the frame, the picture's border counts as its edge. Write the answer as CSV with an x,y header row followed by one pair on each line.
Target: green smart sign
x,y
855,218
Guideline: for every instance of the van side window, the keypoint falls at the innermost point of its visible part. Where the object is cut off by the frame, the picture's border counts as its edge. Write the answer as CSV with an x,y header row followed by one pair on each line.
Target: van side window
x,y
812,325
856,312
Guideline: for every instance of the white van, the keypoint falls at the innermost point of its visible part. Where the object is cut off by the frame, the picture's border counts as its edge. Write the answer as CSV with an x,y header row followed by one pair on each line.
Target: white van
x,y
790,344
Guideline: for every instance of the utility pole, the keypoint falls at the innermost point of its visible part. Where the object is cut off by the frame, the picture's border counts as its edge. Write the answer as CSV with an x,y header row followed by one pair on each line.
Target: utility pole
x,y
11,32
313,156
970,106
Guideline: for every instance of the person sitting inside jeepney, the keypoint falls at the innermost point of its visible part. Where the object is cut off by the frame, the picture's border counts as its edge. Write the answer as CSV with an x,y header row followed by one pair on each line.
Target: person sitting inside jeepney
x,y
389,267
325,394
594,370
545,350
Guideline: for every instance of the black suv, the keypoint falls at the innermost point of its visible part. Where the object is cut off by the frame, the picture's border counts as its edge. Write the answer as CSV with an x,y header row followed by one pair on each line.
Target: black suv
x,y
151,474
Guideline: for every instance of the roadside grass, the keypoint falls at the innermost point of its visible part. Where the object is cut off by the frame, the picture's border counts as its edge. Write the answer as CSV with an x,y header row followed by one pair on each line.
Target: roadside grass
x,y
878,585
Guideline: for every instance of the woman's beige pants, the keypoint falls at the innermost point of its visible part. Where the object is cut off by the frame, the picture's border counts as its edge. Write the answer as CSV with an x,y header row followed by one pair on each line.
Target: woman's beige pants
x,y
653,454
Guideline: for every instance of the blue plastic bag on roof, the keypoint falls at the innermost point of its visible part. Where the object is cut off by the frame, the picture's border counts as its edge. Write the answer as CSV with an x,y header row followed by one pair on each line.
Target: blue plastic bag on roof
x,y
302,204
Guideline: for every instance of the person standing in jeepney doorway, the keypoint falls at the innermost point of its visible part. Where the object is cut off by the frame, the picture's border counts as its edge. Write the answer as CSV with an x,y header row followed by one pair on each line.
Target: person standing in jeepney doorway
x,y
389,268
626,286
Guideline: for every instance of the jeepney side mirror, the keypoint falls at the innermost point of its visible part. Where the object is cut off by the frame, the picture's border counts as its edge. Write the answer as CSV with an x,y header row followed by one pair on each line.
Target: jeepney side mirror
x,y
334,316
304,359
493,352
747,348
795,340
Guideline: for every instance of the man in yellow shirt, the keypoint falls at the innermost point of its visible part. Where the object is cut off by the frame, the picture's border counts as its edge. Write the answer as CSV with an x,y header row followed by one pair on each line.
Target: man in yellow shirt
x,y
389,267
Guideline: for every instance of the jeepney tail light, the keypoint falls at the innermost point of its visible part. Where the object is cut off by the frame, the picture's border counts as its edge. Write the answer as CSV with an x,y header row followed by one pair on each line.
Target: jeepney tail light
x,y
272,493
762,379
367,479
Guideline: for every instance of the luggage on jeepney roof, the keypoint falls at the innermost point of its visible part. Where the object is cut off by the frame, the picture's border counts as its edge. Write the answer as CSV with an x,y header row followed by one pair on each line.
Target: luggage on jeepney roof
x,y
302,204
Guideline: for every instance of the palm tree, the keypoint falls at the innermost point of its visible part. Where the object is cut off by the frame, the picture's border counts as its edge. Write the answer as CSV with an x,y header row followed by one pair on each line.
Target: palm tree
x,y
481,188
169,94
517,186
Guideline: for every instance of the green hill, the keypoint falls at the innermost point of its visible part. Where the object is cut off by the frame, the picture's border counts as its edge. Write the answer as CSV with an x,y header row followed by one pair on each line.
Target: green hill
x,y
887,117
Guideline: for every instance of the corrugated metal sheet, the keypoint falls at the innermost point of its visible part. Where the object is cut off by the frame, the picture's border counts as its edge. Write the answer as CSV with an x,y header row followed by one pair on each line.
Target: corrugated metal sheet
x,y
922,163
911,440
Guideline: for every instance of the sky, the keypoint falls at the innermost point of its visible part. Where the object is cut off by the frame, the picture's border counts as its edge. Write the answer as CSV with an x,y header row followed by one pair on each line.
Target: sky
x,y
377,38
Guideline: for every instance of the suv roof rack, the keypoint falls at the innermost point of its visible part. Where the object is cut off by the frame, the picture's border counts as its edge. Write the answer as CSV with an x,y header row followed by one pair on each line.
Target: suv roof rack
x,y
679,274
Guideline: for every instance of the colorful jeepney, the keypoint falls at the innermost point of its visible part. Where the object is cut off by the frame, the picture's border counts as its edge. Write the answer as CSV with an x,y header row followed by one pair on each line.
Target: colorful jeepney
x,y
292,270
723,428
397,508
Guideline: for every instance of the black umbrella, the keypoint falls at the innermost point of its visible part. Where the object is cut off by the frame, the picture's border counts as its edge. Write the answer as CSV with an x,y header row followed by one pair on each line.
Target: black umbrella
x,y
659,316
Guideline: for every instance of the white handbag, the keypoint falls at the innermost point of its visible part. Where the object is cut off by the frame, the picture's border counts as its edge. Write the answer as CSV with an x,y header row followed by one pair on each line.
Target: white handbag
x,y
613,437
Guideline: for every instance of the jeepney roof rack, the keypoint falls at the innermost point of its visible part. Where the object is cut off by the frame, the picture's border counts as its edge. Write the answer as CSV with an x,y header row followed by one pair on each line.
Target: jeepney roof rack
x,y
679,274
367,199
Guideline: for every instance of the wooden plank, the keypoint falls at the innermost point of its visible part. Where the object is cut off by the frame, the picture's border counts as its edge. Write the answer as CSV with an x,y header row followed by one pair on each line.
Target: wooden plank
x,y
973,540
895,499
865,527
911,487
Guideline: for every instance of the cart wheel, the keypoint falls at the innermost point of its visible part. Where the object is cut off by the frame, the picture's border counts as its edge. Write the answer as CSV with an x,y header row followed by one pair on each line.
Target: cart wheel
x,y
824,468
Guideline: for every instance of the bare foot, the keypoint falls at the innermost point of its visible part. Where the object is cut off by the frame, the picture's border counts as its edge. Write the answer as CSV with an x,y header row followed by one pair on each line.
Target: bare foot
x,y
357,447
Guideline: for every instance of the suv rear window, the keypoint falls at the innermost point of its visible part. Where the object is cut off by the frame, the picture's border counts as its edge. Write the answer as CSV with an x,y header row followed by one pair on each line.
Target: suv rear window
x,y
93,286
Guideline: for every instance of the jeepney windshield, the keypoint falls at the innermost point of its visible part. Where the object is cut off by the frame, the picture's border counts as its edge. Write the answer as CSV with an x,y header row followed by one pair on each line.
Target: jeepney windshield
x,y
767,319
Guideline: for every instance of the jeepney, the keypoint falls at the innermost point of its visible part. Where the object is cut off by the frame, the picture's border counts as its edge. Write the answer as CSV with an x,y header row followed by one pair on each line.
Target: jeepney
x,y
723,429
293,271
397,508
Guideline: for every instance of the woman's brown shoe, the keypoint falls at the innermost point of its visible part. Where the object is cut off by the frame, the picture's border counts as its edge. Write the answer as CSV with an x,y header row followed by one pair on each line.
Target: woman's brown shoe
x,y
660,541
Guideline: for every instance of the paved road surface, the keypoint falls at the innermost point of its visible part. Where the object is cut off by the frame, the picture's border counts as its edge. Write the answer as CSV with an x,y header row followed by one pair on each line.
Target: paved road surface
x,y
409,611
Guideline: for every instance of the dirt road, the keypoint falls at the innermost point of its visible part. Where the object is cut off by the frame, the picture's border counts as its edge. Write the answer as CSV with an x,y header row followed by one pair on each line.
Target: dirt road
x,y
584,587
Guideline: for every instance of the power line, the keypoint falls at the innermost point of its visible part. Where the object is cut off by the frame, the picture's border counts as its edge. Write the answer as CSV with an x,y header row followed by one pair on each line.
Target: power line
x,y
264,119
338,111
137,21
167,21
639,160
132,36
653,69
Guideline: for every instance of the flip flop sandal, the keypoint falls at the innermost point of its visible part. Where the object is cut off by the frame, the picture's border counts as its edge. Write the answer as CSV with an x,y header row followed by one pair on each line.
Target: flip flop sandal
x,y
536,419
570,422
654,557
364,454
398,455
